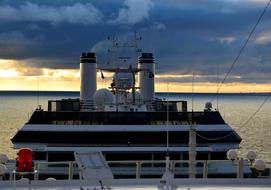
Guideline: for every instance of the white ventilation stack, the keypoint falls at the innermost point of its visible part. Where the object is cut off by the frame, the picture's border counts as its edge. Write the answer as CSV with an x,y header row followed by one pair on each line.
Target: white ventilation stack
x,y
146,77
88,80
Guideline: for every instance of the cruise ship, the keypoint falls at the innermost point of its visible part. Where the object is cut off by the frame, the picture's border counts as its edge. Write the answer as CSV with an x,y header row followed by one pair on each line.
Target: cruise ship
x,y
126,122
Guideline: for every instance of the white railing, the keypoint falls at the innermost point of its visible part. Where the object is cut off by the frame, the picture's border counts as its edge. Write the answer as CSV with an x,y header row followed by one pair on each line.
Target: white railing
x,y
139,169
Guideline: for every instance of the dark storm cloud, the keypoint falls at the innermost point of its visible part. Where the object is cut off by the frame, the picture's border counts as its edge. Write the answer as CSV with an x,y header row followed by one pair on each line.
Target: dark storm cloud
x,y
186,36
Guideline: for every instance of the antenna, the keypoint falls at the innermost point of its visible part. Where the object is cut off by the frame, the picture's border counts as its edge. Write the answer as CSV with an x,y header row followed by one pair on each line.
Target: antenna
x,y
118,45
112,51
137,38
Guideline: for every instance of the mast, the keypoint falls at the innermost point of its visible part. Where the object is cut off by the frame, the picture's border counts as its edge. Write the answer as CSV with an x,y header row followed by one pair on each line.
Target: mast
x,y
192,141
192,151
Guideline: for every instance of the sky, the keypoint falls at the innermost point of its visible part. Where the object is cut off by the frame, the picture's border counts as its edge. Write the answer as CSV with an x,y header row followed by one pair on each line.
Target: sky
x,y
41,42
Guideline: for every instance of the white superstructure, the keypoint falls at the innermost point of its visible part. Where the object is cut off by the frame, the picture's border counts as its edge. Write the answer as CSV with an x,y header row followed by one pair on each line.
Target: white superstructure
x,y
126,121
88,86
146,76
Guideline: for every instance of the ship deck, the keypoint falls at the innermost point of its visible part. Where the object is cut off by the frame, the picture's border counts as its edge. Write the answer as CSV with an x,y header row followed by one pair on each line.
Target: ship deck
x,y
181,184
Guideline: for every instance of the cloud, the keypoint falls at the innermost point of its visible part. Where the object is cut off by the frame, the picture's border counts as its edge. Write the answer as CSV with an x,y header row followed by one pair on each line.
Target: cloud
x,y
50,63
16,45
77,13
133,12
227,39
158,26
14,37
185,36
264,38
189,78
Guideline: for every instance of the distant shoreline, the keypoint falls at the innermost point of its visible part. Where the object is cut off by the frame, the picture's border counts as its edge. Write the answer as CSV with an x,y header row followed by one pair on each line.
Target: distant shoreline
x,y
77,92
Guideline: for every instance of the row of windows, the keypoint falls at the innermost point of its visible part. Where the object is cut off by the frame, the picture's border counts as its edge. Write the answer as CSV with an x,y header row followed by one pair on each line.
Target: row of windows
x,y
140,118
68,156
124,138
78,122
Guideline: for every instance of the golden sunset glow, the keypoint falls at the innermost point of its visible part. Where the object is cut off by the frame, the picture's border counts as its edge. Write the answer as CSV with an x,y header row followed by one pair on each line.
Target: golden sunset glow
x,y
13,76
212,87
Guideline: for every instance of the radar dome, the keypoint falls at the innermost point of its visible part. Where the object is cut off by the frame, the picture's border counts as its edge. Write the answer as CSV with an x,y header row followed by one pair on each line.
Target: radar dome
x,y
103,96
208,106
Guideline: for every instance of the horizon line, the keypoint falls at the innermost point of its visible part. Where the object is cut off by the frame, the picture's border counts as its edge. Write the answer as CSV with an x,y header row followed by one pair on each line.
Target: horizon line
x,y
67,91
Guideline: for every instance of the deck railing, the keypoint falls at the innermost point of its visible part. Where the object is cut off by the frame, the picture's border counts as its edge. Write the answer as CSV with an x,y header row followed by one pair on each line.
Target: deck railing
x,y
141,169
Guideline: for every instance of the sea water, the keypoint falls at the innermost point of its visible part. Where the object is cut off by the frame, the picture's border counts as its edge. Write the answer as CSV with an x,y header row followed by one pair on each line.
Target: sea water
x,y
236,109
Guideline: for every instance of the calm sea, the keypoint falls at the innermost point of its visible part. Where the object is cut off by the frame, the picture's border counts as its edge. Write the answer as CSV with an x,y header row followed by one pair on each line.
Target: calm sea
x,y
17,107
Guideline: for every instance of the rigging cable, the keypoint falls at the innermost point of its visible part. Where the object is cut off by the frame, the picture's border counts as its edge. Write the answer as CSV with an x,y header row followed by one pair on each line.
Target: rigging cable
x,y
217,82
38,90
242,49
227,74
167,118
243,125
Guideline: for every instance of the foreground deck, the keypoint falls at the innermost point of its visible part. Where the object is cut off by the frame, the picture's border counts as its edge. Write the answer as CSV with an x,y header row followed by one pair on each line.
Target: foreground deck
x,y
148,184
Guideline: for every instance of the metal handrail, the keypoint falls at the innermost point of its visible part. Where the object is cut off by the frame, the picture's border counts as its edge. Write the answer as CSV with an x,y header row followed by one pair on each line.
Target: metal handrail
x,y
139,165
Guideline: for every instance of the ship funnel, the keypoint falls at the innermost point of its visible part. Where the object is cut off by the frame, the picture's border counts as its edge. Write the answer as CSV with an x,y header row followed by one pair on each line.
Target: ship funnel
x,y
146,76
88,87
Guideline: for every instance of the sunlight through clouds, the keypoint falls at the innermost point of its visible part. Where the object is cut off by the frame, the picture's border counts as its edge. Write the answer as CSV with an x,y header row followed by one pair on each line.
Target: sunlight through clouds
x,y
7,69
14,76
46,38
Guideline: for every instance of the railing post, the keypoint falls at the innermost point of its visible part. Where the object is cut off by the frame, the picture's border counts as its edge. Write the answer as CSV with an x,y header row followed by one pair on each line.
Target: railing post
x,y
14,179
205,169
138,170
172,166
70,170
11,175
240,167
36,168
192,152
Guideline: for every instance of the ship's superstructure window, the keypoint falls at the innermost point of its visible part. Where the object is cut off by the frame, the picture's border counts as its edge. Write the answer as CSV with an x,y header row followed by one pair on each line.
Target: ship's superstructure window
x,y
40,155
120,138
60,156
218,156
125,118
